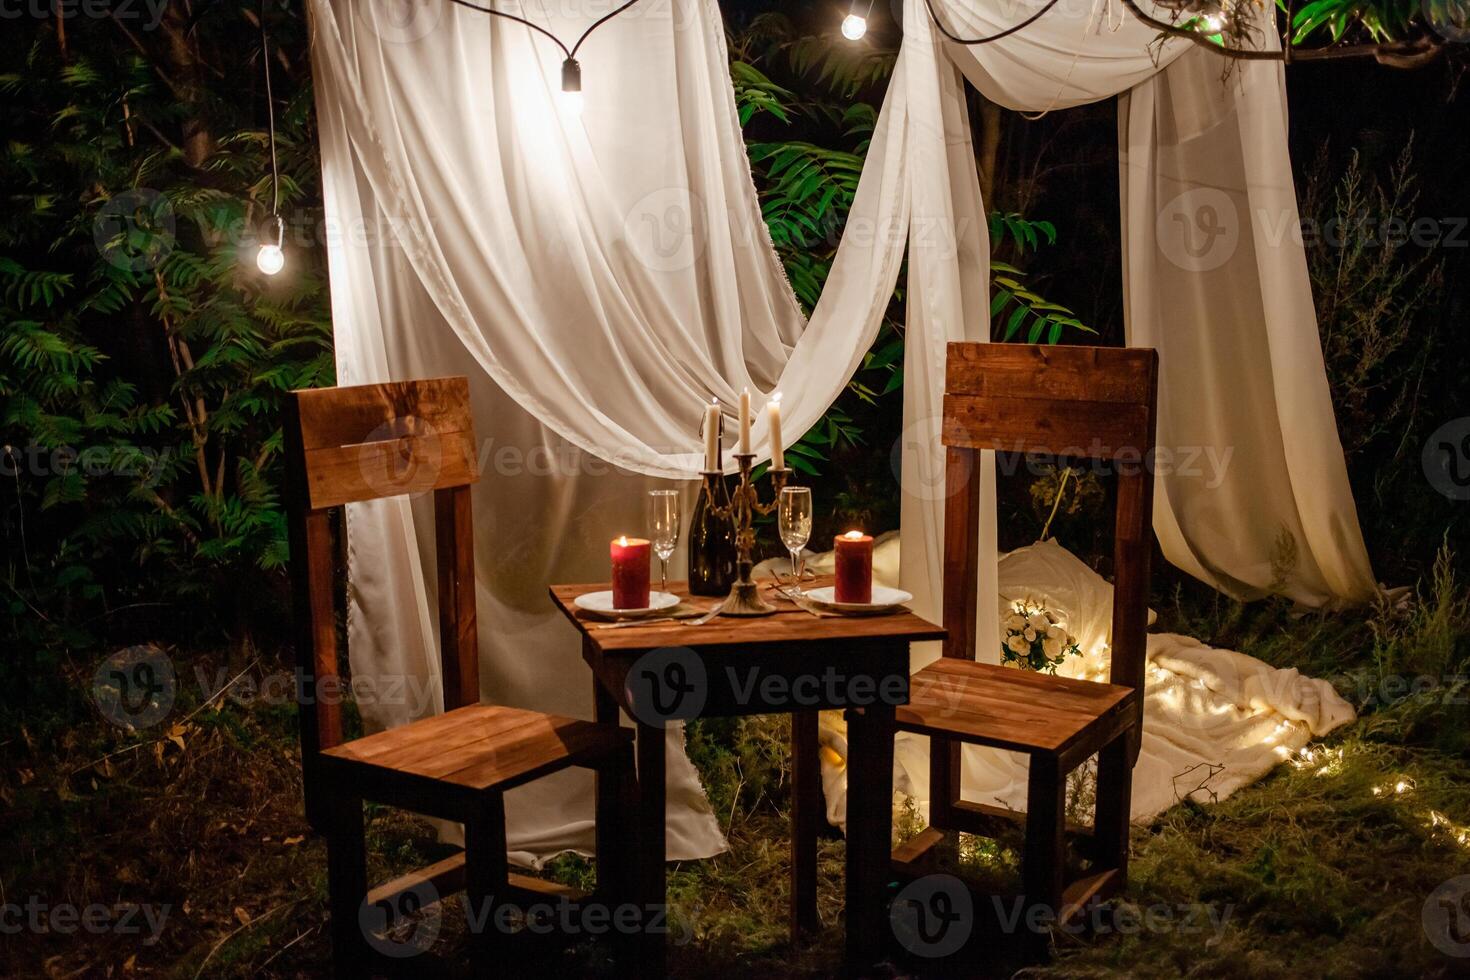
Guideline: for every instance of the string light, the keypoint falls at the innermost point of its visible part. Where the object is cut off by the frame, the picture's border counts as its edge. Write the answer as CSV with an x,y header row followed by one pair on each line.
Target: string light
x,y
270,259
571,70
855,24
571,87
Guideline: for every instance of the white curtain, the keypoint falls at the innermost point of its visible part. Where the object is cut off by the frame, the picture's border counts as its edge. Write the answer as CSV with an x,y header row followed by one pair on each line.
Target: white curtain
x,y
1253,495
601,277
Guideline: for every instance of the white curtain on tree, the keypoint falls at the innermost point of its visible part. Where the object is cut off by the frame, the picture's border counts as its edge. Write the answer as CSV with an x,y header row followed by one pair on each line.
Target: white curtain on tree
x,y
1253,494
601,277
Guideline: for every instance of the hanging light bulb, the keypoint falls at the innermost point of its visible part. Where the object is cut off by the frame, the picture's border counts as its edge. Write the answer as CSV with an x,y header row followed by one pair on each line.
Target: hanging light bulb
x,y
571,87
270,259
854,27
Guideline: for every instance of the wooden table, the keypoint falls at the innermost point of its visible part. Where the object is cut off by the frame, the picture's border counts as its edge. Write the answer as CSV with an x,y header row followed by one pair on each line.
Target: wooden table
x,y
789,662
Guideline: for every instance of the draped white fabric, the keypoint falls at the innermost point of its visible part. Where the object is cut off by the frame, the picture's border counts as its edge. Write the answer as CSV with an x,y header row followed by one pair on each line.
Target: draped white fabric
x,y
601,277
1253,495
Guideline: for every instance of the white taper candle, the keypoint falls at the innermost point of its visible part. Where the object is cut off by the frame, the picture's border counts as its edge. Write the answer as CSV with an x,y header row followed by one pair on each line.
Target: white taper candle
x,y
712,437
745,420
773,415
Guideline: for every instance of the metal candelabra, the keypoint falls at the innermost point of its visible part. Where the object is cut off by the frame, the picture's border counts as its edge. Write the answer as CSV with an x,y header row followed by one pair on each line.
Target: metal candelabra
x,y
744,598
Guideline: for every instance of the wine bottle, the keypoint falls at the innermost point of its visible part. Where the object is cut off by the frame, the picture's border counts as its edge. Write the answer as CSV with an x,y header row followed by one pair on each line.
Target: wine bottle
x,y
711,546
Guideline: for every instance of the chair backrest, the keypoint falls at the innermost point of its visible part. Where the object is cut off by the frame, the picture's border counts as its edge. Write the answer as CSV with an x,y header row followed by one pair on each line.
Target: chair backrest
x,y
365,443
1078,402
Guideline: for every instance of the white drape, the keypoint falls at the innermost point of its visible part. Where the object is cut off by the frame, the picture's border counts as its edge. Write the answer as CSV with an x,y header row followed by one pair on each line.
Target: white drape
x,y
601,277
1255,498
1253,495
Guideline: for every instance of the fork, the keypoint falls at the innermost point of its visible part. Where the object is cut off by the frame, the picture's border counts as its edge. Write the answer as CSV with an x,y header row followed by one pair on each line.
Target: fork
x,y
700,621
800,602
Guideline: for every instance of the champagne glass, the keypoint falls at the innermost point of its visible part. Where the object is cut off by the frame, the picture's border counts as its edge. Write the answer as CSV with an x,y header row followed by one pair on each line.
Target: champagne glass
x,y
795,523
663,529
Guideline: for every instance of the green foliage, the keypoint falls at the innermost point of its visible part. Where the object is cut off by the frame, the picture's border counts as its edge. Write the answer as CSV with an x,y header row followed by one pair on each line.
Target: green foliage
x,y
1374,287
1390,343
807,187
1379,20
1012,303
143,358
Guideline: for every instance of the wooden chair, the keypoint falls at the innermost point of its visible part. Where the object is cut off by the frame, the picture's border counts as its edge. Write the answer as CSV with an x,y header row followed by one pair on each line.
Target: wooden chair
x,y
1091,402
364,443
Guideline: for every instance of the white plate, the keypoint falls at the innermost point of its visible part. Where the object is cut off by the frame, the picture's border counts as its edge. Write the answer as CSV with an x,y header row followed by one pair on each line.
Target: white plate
x,y
601,604
884,599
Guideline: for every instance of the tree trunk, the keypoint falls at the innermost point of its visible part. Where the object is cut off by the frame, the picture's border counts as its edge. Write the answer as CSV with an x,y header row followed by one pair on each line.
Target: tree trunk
x,y
988,149
186,70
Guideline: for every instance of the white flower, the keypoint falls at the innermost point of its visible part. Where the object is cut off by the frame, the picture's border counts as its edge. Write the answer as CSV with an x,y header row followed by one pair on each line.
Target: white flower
x,y
1057,632
1029,634
1018,646
1015,622
1038,622
1052,646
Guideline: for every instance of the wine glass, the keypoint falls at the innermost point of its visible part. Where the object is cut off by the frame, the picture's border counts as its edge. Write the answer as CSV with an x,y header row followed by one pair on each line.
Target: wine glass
x,y
663,529
795,523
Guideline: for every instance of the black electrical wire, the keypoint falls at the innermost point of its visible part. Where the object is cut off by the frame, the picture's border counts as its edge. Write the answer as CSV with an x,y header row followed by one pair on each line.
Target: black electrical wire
x,y
934,15
270,114
569,52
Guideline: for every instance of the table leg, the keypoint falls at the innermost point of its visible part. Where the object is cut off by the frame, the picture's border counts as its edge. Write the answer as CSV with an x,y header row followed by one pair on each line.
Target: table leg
x,y
869,830
617,832
806,812
652,841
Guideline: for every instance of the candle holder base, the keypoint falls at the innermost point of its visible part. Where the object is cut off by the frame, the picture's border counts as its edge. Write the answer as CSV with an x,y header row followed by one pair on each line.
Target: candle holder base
x,y
745,600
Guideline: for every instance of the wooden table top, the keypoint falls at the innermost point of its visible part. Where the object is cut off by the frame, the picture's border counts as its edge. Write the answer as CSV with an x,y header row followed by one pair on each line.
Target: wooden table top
x,y
789,624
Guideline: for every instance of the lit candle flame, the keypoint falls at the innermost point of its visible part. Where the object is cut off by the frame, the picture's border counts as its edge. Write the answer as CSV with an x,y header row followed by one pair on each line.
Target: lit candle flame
x,y
853,535
622,540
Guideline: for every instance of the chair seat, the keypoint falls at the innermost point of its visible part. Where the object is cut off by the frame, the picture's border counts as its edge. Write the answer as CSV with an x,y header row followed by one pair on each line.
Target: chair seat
x,y
1019,710
468,751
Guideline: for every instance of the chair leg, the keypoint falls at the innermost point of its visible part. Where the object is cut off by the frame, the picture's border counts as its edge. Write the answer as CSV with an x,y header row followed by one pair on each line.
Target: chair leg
x,y
1043,865
944,793
346,885
1114,801
486,875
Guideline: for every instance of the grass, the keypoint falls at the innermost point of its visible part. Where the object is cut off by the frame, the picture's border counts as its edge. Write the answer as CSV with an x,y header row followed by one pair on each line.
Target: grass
x,y
1322,869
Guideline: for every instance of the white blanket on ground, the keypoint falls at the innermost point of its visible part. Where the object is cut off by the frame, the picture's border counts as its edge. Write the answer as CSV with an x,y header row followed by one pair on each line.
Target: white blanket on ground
x,y
1214,720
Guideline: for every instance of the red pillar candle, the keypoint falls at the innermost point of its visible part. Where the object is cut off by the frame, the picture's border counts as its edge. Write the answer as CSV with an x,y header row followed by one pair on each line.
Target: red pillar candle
x,y
854,567
630,565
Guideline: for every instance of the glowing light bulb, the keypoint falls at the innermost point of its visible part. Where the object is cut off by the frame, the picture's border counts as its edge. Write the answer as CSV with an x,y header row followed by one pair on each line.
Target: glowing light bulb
x,y
571,87
270,259
854,27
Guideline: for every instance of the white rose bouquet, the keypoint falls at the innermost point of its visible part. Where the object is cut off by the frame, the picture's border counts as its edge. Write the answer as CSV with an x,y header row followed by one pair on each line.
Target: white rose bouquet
x,y
1034,639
